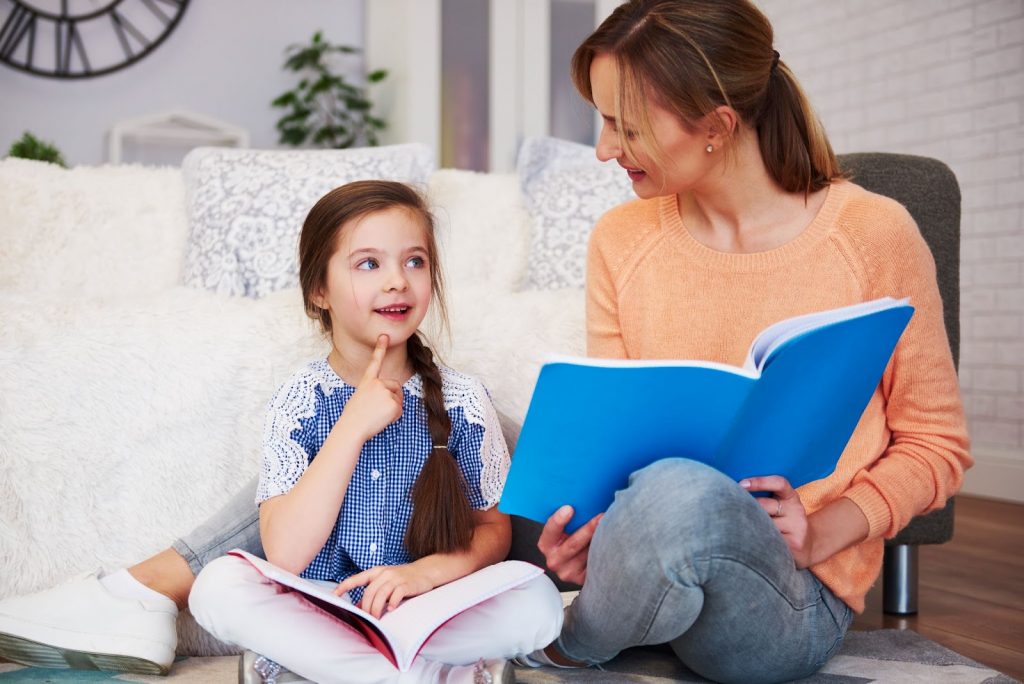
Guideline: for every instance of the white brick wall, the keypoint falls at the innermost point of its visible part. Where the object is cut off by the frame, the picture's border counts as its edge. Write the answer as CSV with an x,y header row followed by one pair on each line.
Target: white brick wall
x,y
945,79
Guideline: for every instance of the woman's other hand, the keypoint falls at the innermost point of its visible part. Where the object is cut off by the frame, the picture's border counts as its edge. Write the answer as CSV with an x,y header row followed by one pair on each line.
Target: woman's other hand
x,y
566,554
811,538
787,512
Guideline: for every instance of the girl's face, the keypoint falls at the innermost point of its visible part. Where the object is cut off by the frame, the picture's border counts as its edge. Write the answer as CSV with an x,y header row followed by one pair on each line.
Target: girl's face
x,y
378,279
687,161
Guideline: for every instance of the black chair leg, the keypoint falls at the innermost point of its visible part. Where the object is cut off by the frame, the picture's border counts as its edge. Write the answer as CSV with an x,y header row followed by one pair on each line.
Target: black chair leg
x,y
899,580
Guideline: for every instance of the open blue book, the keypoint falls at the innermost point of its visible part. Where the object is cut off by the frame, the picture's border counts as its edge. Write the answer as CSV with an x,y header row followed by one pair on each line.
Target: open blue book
x,y
790,410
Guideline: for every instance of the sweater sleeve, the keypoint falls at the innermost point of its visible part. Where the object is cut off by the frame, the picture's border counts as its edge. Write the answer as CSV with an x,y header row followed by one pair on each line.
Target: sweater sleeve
x,y
927,454
604,332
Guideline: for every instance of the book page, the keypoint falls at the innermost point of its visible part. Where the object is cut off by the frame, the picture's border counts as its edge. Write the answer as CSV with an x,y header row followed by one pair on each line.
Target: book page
x,y
777,334
405,629
646,363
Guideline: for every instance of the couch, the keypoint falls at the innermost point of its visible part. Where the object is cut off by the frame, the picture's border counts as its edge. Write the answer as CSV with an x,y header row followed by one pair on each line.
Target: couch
x,y
146,315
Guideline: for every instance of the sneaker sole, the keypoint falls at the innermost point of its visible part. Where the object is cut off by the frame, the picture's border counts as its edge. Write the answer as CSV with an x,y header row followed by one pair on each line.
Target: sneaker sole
x,y
34,654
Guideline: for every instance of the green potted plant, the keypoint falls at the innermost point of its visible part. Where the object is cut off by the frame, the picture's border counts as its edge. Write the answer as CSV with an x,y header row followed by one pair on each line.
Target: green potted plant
x,y
31,147
324,109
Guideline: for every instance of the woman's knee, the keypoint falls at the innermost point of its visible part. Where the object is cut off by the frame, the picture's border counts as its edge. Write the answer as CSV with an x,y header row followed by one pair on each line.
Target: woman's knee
x,y
675,506
676,490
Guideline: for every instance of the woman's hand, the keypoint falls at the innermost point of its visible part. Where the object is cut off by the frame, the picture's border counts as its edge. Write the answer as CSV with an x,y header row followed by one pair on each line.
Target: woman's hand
x,y
788,514
377,402
386,587
566,554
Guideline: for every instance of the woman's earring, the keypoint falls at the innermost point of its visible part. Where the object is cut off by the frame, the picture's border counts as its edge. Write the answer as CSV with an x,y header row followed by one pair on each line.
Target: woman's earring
x,y
710,149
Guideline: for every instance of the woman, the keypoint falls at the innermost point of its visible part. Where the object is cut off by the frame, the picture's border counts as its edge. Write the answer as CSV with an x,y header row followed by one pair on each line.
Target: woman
x,y
744,219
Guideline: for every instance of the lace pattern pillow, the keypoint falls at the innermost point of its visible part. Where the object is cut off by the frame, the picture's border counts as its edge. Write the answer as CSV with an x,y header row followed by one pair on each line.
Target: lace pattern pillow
x,y
246,207
565,190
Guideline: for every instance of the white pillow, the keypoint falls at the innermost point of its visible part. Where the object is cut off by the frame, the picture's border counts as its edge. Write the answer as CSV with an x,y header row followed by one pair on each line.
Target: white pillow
x,y
95,231
483,230
246,207
565,190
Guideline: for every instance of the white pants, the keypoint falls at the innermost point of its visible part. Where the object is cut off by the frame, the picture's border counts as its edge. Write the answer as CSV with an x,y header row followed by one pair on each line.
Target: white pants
x,y
237,604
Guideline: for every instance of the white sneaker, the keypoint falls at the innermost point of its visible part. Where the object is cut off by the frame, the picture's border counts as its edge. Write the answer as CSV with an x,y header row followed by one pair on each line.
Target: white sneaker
x,y
83,626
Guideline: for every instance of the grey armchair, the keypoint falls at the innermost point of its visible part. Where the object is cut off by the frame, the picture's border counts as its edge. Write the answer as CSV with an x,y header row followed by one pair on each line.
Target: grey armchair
x,y
930,192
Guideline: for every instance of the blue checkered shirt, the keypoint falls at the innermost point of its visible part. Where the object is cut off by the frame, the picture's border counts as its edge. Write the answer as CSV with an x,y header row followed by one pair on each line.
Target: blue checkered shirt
x,y
370,529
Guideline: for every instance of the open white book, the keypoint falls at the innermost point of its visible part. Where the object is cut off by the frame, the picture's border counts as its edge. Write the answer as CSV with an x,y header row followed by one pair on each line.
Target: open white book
x,y
400,633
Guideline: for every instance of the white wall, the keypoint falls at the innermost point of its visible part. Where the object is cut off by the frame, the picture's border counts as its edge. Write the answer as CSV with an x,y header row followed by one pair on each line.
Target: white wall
x,y
223,60
942,78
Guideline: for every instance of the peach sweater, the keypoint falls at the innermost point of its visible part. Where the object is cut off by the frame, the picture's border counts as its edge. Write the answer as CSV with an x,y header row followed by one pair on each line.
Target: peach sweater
x,y
654,292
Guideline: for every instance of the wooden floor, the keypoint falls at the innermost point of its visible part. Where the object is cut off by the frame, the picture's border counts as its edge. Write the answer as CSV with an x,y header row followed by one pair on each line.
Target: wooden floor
x,y
971,596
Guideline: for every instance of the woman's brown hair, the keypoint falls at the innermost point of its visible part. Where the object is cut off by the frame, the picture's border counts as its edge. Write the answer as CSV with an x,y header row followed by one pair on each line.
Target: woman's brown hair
x,y
442,519
692,56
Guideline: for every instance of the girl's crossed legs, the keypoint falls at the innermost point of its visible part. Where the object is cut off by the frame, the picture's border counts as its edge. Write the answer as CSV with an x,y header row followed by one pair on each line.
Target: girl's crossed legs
x,y
237,604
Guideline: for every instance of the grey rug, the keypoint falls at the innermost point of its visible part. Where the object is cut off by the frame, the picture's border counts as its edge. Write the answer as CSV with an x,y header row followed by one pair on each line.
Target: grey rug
x,y
884,655
890,656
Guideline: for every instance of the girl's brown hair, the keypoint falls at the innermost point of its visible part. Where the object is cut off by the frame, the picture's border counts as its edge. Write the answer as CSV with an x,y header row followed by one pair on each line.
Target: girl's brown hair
x,y
692,56
442,518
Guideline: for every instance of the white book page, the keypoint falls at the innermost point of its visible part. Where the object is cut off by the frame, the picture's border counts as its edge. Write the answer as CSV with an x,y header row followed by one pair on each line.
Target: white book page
x,y
777,334
408,626
646,363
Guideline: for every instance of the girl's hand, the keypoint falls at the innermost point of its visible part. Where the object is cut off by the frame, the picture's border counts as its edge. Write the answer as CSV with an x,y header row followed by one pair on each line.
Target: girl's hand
x,y
788,514
566,554
377,403
386,587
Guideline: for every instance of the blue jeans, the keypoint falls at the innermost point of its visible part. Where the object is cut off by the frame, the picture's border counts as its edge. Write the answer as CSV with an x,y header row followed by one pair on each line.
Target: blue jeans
x,y
685,556
235,526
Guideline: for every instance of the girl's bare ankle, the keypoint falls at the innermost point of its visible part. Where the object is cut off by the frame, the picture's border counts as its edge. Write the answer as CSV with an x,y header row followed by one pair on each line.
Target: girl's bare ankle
x,y
168,573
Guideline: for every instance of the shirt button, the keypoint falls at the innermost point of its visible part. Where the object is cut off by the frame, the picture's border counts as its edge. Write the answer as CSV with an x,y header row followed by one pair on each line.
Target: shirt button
x,y
374,474
373,547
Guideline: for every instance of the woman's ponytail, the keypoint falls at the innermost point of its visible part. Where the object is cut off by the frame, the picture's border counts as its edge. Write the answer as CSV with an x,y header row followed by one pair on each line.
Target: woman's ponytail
x,y
442,519
793,144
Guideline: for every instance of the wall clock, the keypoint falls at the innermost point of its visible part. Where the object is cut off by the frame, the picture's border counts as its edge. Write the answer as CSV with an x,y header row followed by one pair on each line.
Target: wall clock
x,y
83,38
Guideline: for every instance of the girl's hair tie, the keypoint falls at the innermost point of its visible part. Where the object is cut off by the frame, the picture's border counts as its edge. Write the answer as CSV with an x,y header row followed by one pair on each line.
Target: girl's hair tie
x,y
775,59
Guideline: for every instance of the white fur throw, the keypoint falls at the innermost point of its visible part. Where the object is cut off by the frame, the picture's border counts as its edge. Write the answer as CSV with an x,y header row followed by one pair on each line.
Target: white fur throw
x,y
90,231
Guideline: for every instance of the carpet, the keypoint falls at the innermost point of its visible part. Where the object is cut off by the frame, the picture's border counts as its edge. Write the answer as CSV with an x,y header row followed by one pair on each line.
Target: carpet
x,y
885,655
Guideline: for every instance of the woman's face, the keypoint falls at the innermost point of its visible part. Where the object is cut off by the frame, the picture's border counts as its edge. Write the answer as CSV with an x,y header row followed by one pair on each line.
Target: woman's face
x,y
687,161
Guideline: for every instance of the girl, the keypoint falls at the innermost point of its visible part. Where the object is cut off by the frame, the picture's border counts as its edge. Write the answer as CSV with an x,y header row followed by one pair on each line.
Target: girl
x,y
744,219
381,470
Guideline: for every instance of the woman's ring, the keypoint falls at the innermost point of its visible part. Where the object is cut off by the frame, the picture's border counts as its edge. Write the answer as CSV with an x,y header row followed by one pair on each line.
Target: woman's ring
x,y
778,511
